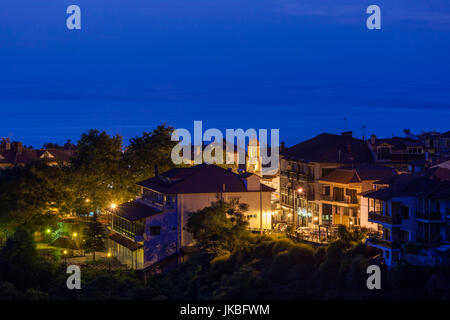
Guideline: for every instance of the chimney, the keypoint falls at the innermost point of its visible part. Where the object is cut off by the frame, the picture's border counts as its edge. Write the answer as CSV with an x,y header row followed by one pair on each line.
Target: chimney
x,y
373,139
156,170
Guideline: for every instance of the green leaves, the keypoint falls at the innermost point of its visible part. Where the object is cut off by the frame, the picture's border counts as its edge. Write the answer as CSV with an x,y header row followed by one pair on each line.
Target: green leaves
x,y
220,228
94,236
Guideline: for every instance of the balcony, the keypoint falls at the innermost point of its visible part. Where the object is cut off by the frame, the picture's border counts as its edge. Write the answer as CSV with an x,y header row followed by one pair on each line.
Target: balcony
x,y
294,175
429,216
379,217
376,242
346,200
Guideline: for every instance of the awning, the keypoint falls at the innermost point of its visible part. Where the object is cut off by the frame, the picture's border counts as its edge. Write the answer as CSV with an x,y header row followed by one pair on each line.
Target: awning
x,y
125,242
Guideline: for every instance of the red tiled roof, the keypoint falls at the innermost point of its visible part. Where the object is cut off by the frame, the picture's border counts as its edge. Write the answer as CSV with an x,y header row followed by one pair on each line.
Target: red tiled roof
x,y
399,142
135,210
29,155
331,148
433,183
123,241
202,178
359,174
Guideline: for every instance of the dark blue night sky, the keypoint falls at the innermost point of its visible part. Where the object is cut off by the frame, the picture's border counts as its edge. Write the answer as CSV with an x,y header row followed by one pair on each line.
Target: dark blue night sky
x,y
298,65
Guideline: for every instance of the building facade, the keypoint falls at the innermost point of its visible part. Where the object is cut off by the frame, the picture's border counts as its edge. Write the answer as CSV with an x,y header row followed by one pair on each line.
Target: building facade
x,y
413,213
301,168
341,192
153,228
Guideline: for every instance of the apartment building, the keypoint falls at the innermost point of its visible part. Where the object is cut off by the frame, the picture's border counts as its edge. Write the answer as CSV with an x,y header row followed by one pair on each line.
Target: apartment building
x,y
303,165
341,193
397,152
413,213
151,230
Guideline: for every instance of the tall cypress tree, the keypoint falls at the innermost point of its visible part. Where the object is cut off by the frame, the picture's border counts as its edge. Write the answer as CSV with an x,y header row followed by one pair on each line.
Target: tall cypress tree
x,y
94,236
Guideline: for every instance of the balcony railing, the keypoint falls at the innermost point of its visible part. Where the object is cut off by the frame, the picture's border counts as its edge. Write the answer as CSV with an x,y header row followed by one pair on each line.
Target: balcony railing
x,y
296,175
380,217
429,216
327,197
383,243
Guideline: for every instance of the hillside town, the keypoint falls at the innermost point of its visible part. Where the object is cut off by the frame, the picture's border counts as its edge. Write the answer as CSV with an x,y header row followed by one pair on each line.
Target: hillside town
x,y
397,189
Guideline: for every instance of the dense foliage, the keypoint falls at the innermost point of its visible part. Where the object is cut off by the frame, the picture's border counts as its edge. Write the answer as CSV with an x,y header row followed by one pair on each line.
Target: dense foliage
x,y
100,173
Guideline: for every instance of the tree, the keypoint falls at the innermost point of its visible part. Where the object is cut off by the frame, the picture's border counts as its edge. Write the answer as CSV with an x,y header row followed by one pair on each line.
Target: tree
x,y
97,179
20,263
146,151
34,196
352,235
220,228
94,236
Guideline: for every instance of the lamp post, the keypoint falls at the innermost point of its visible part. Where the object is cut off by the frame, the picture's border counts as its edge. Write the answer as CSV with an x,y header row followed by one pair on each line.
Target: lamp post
x,y
108,255
65,257
299,191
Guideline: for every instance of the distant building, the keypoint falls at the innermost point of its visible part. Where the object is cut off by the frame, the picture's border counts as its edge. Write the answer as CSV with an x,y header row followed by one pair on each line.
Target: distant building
x,y
397,152
436,142
15,154
230,158
413,213
303,165
150,231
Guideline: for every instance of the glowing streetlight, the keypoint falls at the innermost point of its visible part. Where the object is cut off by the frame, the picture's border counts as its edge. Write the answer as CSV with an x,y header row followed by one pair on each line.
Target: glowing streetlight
x,y
87,200
74,234
300,190
113,206
48,230
108,255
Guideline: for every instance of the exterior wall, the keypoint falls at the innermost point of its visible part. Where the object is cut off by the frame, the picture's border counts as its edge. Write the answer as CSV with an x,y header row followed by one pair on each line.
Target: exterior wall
x,y
173,234
364,214
310,184
273,183
188,203
158,247
132,259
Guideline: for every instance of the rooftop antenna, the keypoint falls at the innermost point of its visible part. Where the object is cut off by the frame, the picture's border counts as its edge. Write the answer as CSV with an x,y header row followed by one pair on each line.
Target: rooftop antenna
x,y
363,128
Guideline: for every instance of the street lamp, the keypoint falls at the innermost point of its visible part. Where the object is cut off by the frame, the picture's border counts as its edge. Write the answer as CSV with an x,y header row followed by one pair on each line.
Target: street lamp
x,y
108,255
65,257
113,206
299,190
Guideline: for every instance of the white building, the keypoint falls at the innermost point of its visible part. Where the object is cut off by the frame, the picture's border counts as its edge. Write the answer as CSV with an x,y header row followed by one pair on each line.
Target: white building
x,y
151,230
413,213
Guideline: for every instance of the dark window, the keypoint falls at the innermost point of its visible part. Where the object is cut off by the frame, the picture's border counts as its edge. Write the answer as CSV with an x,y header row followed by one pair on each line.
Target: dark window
x,y
155,231
405,212
383,153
